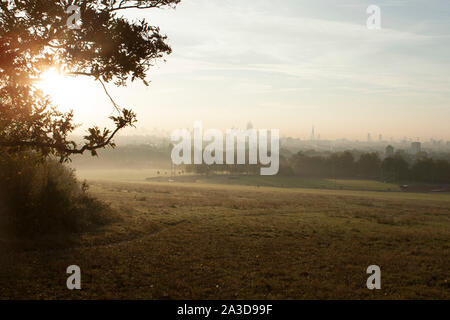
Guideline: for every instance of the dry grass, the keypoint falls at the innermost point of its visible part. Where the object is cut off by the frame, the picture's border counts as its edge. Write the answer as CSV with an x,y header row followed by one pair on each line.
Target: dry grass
x,y
181,241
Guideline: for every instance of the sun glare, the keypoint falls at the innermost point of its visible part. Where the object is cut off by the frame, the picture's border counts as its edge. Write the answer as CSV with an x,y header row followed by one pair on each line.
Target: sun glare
x,y
59,87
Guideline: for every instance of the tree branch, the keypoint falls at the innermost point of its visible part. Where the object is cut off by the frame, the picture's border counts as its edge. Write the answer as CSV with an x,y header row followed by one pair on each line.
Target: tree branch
x,y
116,106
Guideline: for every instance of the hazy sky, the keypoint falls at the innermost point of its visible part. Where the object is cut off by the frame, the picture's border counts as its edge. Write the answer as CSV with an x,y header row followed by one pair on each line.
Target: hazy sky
x,y
290,64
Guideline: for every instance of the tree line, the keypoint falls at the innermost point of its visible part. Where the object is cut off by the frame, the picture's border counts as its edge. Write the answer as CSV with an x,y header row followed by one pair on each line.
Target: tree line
x,y
345,165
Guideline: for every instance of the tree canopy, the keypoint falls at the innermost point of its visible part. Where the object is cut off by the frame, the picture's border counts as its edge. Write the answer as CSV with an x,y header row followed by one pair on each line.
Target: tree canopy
x,y
34,36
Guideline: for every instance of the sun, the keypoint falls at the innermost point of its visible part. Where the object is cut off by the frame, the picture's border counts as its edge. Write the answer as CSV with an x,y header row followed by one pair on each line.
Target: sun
x,y
59,87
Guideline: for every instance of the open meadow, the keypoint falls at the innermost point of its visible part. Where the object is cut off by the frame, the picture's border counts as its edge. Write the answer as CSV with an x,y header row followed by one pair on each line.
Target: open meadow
x,y
220,241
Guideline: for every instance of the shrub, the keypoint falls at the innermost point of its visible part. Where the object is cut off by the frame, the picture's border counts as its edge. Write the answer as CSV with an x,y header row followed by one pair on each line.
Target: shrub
x,y
40,197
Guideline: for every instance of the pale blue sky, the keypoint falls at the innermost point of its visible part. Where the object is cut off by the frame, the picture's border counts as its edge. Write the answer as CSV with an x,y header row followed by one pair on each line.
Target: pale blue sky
x,y
290,64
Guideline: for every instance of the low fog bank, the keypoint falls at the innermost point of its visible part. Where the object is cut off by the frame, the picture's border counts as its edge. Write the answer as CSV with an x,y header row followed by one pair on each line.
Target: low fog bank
x,y
125,157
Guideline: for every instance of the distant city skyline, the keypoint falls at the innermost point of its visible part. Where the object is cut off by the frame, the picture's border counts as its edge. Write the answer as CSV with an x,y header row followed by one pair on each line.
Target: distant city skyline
x,y
161,132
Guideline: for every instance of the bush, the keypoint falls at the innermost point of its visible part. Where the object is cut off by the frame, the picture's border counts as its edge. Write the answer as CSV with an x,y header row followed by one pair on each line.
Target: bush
x,y
40,197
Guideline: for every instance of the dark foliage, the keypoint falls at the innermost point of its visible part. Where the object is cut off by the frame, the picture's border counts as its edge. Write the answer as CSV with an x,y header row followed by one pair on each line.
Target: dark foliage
x,y
41,197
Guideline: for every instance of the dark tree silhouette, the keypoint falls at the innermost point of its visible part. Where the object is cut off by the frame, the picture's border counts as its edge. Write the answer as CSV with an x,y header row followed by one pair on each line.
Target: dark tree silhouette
x,y
34,36
369,165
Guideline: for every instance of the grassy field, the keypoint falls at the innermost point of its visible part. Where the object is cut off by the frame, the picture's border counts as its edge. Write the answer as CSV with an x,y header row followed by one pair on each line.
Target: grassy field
x,y
198,241
296,182
130,175
122,175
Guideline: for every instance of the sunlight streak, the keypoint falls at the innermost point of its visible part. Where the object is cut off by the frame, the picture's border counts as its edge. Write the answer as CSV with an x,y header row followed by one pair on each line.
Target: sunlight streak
x,y
60,88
